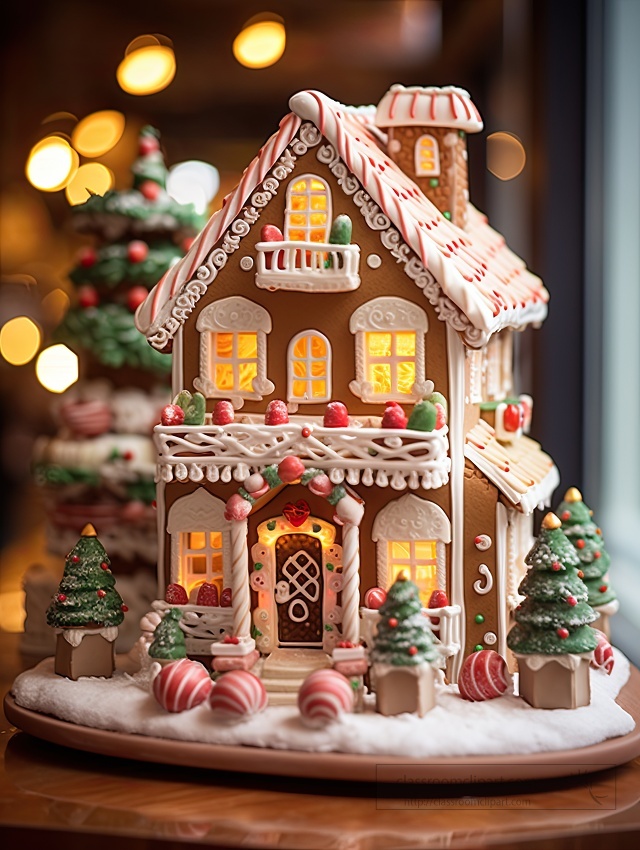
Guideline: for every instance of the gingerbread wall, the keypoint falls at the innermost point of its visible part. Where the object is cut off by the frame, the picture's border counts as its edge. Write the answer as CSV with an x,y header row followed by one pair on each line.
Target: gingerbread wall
x,y
328,313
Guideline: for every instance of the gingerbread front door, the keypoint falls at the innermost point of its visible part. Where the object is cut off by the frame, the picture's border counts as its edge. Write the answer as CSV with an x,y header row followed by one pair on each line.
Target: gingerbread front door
x,y
299,590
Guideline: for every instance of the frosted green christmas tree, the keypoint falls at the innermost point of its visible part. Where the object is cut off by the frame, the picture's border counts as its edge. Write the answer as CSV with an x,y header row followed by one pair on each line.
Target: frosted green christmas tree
x,y
586,537
404,638
555,615
168,637
87,595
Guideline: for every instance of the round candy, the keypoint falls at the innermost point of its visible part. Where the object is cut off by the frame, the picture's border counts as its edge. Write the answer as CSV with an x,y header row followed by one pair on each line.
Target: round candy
x,y
238,695
290,469
324,696
182,685
374,597
484,675
320,485
603,654
237,508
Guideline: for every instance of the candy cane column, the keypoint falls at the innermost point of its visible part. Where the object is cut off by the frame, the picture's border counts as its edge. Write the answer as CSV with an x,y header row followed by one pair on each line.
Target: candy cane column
x,y
350,582
240,593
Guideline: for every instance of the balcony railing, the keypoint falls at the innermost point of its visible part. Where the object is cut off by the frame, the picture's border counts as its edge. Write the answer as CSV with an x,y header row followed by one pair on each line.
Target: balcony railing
x,y
307,266
202,625
398,459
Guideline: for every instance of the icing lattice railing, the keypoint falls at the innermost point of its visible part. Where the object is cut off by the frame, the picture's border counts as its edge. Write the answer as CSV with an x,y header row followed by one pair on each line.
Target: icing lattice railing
x,y
369,456
309,266
202,625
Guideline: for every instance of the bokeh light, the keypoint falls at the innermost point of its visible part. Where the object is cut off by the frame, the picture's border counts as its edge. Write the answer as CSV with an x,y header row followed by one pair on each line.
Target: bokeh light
x,y
92,178
55,305
98,133
19,340
148,66
51,164
57,368
193,182
261,43
506,156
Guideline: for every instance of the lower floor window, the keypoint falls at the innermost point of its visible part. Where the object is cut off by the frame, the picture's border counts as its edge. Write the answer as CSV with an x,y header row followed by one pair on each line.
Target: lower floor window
x,y
201,558
417,559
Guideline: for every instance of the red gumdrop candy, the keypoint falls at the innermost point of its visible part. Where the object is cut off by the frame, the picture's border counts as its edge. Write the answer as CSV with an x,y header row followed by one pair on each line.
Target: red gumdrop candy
x,y
438,599
223,413
175,594
512,418
271,233
172,414
207,595
276,413
290,469
225,598
336,415
393,416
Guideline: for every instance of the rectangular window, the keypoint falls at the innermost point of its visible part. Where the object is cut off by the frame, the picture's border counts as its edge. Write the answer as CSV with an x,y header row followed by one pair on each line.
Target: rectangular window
x,y
234,361
201,559
418,560
390,358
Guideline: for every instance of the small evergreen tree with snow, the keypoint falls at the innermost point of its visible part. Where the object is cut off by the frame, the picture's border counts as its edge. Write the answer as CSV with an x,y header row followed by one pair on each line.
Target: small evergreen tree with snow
x,y
404,638
168,638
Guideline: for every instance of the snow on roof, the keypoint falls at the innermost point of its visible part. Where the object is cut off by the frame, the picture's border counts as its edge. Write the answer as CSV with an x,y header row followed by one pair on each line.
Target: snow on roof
x,y
474,267
521,470
428,107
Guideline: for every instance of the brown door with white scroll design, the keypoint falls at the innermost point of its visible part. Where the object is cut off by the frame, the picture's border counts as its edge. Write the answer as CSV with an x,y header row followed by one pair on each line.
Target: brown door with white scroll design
x,y
299,590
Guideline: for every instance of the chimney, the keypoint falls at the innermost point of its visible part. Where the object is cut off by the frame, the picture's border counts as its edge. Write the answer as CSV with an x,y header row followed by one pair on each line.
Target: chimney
x,y
427,137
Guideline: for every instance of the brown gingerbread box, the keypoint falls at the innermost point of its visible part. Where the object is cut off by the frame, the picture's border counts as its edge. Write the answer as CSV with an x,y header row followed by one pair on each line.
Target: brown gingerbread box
x,y
404,689
92,655
555,681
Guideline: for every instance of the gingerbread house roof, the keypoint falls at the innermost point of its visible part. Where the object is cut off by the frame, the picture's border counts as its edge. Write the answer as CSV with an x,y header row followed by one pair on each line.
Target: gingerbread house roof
x,y
428,107
521,470
474,267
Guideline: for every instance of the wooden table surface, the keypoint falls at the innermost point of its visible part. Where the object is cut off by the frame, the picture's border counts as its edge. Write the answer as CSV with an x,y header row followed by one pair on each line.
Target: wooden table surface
x,y
64,798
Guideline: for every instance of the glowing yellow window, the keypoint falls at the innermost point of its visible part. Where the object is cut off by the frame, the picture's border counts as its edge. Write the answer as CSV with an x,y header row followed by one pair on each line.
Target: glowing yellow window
x,y
234,361
427,156
417,559
308,210
391,362
309,368
201,559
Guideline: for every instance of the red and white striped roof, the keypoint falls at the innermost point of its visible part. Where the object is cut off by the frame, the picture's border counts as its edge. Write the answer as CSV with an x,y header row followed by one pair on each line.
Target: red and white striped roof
x,y
474,267
416,106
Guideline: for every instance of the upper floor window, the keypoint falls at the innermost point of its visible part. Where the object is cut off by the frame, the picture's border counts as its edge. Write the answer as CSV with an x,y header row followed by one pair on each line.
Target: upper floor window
x,y
427,157
233,350
390,350
308,210
309,368
489,371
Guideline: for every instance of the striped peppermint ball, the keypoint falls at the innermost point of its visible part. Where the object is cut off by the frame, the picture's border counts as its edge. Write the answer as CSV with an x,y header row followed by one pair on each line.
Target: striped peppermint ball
x,y
238,695
484,675
324,696
181,685
603,653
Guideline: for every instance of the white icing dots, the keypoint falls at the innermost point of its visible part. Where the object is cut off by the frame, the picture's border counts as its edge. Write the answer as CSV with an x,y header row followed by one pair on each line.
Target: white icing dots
x,y
482,542
490,638
246,264
374,261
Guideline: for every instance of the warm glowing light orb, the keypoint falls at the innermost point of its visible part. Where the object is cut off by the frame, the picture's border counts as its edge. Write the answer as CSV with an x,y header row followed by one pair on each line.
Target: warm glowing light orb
x,y
92,178
57,368
506,155
54,305
98,133
260,44
51,164
147,70
193,182
19,340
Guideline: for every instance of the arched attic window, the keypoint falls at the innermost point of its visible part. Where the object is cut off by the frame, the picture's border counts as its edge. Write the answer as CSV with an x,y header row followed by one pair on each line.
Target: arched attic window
x,y
307,215
427,157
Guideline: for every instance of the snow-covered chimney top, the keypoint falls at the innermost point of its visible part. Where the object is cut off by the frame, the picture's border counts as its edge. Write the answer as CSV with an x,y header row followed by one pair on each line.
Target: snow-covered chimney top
x,y
428,107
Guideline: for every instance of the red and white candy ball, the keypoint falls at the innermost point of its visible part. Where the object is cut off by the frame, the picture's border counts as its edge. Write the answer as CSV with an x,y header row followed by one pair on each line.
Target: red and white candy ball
x,y
237,695
603,653
323,697
484,675
181,685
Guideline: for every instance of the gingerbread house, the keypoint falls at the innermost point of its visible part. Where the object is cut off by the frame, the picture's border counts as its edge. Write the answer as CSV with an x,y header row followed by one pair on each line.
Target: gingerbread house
x,y
423,295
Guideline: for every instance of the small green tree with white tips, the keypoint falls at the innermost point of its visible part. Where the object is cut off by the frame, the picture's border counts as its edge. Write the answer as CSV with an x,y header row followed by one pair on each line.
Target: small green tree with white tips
x,y
404,638
168,638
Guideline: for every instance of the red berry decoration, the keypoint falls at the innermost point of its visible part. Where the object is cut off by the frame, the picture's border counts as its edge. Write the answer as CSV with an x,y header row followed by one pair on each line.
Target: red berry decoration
x,y
374,597
101,593
290,469
563,633
135,297
580,574
62,597
88,297
104,565
483,676
603,658
571,600
597,555
306,432
556,566
147,145
276,413
172,414
223,413
207,595
75,558
392,622
137,251
580,544
87,258
226,600
150,190
336,415
124,608
393,416
565,515
603,588
182,685
175,594
412,650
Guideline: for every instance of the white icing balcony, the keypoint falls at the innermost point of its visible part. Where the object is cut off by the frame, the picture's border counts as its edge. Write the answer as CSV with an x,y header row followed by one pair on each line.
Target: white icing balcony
x,y
307,266
446,627
380,456
202,625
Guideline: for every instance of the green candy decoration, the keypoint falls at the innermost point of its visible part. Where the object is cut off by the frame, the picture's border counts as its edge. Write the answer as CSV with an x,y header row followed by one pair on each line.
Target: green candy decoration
x,y
423,416
168,638
438,398
194,406
341,232
555,615
404,638
87,595
270,475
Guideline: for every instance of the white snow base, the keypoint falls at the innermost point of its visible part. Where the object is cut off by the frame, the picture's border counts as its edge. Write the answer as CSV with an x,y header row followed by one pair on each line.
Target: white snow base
x,y
455,727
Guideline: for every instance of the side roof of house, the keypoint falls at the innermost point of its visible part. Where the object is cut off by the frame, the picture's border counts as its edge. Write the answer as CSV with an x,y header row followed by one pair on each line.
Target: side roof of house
x,y
474,267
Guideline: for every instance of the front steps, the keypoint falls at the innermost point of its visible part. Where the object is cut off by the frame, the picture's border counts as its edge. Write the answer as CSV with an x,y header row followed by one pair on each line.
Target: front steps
x,y
284,670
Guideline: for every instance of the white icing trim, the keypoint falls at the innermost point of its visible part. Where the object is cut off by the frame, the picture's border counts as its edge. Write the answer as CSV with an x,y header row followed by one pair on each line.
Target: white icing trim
x,y
310,380
74,636
431,106
482,542
161,507
374,261
219,649
538,661
199,511
246,263
455,356
177,362
481,587
502,527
